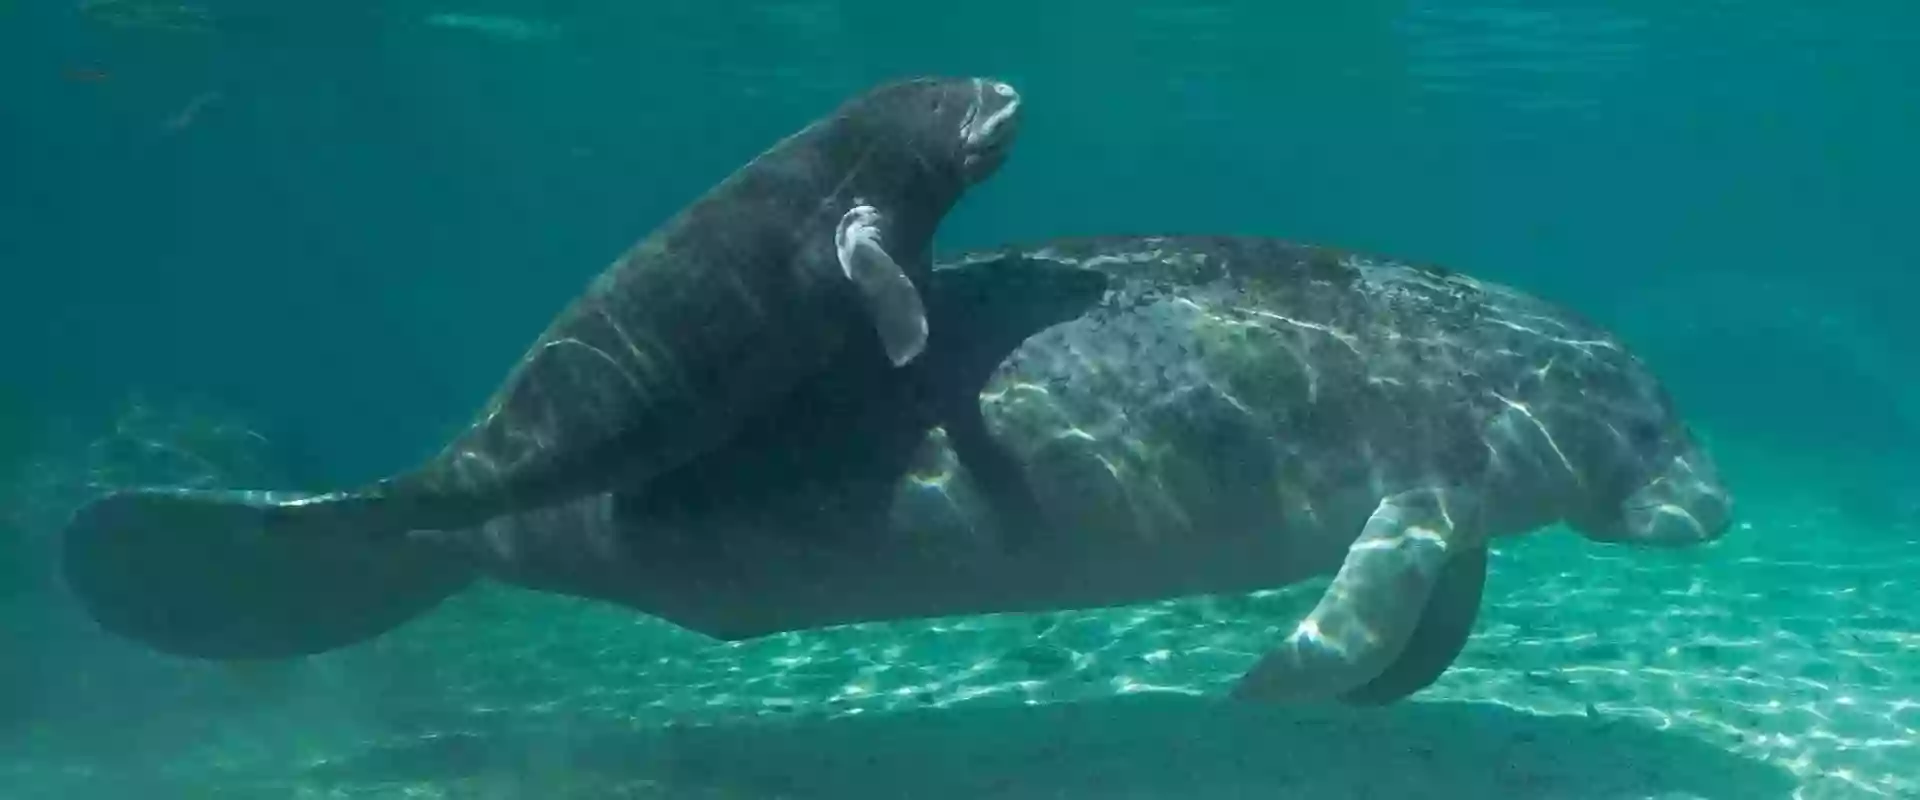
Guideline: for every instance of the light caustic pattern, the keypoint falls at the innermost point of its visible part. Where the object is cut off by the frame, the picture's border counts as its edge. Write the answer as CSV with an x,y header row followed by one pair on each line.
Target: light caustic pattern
x,y
1778,663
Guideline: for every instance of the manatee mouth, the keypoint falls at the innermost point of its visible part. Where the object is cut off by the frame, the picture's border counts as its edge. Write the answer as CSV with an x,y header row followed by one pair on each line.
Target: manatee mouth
x,y
992,122
1673,525
1687,506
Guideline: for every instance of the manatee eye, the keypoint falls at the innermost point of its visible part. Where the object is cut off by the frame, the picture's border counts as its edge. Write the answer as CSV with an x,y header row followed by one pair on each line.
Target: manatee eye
x,y
1643,433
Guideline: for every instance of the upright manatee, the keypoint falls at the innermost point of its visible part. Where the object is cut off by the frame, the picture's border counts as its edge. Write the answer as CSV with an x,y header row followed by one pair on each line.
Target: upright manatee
x,y
808,257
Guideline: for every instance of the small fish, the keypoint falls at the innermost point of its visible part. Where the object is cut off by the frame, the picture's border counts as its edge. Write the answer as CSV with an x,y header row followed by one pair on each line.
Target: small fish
x,y
185,117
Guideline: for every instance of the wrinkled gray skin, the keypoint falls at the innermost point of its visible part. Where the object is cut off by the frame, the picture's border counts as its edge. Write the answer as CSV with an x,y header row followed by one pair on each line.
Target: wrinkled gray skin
x,y
1236,414
802,260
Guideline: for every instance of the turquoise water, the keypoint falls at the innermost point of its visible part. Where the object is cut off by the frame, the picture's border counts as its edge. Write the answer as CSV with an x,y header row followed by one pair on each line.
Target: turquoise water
x,y
293,244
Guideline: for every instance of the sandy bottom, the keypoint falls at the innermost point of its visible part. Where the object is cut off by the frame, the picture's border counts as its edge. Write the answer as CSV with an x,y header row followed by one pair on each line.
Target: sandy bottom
x,y
1782,662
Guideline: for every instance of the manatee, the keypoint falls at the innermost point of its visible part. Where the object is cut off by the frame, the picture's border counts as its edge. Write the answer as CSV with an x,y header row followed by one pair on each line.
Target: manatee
x,y
806,260
1234,414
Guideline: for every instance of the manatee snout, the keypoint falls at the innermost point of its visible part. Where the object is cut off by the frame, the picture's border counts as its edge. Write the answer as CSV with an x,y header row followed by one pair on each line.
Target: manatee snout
x,y
1683,504
990,126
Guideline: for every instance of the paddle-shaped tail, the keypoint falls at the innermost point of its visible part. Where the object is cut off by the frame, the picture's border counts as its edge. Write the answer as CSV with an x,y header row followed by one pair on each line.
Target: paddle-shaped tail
x,y
248,575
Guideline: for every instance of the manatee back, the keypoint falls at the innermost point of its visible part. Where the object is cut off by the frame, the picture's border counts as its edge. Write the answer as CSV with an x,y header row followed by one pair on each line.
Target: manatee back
x,y
737,295
1226,377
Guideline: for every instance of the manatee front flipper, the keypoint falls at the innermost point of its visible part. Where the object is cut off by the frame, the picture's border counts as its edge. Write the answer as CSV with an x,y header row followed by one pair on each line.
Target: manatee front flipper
x,y
1441,635
986,310
889,295
227,575
1369,614
997,474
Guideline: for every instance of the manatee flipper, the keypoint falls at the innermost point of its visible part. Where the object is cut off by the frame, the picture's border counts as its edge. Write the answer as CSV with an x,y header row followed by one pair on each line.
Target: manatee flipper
x,y
889,295
997,474
986,310
1442,634
208,574
1370,611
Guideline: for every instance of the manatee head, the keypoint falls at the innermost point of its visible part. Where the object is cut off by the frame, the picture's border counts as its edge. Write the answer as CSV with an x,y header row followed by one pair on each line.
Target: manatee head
x,y
893,161
1658,486
1682,503
958,129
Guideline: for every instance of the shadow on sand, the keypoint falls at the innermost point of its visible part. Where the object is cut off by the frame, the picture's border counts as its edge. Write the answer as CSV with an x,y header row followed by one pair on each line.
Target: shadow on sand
x,y
1137,747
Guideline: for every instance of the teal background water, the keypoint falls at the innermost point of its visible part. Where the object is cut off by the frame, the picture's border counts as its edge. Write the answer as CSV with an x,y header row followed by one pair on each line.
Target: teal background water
x,y
335,224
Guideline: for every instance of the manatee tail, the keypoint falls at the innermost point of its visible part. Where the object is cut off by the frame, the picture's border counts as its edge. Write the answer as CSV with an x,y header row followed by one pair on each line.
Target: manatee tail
x,y
246,575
